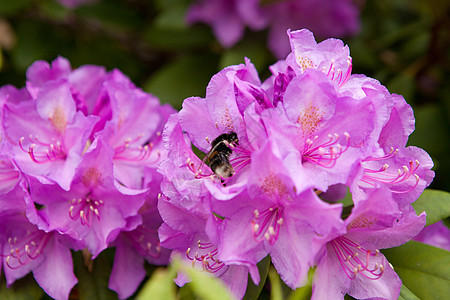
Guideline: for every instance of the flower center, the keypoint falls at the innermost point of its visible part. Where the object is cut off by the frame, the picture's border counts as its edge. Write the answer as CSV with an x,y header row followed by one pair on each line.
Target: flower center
x,y
85,209
374,175
207,256
26,249
145,241
354,259
42,152
338,75
309,119
59,119
326,153
131,150
266,224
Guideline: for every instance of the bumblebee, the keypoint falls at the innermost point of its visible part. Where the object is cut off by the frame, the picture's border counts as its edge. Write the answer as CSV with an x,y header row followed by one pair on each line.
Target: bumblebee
x,y
218,157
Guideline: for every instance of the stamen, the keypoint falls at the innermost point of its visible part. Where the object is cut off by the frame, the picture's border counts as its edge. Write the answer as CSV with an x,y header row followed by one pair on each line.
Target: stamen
x,y
266,224
209,261
145,241
84,209
26,249
129,152
348,253
373,176
327,153
41,152
338,75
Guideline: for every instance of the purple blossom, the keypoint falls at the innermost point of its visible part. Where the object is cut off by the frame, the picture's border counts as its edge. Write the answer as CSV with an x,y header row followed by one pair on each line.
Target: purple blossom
x,y
309,133
137,242
94,209
271,218
91,161
351,263
228,19
136,141
437,235
25,247
190,228
47,135
78,170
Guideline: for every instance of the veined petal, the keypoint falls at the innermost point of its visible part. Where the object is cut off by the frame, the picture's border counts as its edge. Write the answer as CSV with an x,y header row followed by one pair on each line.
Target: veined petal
x,y
55,274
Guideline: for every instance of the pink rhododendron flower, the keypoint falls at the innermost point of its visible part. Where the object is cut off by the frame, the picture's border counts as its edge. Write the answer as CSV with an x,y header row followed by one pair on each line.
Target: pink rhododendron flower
x,y
78,170
277,154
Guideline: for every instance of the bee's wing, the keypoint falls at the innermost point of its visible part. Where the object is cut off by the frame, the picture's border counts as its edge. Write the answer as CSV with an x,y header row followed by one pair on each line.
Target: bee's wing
x,y
209,155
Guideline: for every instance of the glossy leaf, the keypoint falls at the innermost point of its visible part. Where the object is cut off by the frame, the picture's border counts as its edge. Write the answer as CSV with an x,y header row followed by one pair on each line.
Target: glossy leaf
x,y
203,285
435,203
423,269
406,294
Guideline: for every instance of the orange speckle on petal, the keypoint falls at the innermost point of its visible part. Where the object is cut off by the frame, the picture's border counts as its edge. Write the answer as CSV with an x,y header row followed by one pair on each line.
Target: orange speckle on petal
x,y
309,119
92,177
59,119
226,119
305,63
362,222
274,187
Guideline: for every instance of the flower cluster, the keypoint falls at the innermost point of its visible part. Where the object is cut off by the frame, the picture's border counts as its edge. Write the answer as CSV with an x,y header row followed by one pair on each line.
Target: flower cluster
x,y
228,19
79,151
280,157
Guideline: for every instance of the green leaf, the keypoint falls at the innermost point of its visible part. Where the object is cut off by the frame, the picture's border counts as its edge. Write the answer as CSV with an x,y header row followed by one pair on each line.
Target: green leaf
x,y
185,77
30,44
25,288
202,284
166,4
173,17
276,292
423,269
435,203
402,84
431,133
113,15
252,48
93,285
177,38
54,10
11,7
406,294
304,292
252,292
159,286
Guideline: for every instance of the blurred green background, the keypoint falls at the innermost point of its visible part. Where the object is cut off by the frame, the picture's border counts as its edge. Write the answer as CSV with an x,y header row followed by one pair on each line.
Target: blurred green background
x,y
405,44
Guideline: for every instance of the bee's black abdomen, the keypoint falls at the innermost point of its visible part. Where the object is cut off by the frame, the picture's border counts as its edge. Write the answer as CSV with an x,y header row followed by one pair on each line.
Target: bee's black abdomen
x,y
217,159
